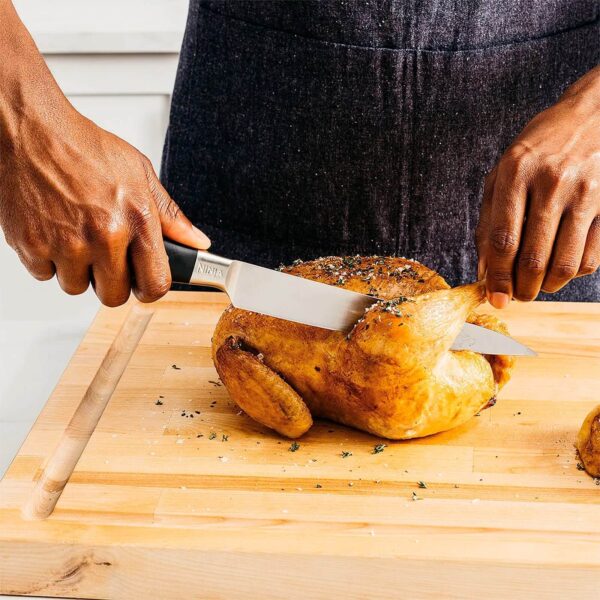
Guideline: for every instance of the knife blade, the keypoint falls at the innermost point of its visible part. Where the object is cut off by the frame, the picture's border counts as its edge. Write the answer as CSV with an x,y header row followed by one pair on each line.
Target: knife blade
x,y
485,341
292,298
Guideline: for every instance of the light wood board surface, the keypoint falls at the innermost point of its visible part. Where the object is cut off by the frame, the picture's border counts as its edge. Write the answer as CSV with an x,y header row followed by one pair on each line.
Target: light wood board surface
x,y
152,510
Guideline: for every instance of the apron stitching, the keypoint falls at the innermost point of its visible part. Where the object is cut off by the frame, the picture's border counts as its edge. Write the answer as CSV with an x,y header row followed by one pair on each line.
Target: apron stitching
x,y
410,199
317,41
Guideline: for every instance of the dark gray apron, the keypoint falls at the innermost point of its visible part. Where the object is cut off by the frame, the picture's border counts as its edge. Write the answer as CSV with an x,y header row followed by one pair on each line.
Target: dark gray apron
x,y
301,129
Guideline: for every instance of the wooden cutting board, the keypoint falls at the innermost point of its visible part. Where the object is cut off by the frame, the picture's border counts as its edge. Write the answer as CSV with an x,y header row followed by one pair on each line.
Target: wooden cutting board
x,y
177,494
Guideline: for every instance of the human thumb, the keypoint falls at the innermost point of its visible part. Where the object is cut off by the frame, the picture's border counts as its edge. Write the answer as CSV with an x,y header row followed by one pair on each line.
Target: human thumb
x,y
175,225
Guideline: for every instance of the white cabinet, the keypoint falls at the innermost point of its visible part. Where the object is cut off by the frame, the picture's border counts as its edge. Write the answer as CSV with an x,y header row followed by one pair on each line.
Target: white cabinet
x,y
128,94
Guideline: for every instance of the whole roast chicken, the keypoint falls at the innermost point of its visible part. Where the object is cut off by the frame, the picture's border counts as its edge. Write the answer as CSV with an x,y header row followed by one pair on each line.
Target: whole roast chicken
x,y
393,374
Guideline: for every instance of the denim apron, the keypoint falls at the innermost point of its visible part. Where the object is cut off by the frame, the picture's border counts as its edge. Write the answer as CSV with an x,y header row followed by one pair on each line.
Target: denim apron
x,y
307,128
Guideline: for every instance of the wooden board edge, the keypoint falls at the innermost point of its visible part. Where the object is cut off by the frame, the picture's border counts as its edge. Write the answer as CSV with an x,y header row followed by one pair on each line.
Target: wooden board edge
x,y
122,573
84,420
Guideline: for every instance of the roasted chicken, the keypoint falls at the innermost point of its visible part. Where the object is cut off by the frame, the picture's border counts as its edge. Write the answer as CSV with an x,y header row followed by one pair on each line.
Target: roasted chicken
x,y
588,442
393,374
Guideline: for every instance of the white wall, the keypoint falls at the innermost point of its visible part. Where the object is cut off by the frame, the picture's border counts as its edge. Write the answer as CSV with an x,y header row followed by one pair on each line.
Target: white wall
x,y
116,61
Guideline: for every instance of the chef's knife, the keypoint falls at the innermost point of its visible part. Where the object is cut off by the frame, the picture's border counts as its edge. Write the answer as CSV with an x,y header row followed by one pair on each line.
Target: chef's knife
x,y
301,300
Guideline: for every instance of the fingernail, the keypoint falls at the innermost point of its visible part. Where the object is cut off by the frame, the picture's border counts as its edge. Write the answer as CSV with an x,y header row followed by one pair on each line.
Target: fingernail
x,y
202,238
499,300
481,269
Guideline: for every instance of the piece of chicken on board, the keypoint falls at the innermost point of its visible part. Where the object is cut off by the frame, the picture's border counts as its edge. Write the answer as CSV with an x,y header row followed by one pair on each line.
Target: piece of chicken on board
x,y
393,375
588,442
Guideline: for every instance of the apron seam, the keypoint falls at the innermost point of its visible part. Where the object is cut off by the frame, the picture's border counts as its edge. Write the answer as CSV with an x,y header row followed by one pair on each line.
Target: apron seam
x,y
415,50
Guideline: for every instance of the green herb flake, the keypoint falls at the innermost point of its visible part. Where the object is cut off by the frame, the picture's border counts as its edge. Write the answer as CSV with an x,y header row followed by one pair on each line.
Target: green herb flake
x,y
422,485
225,438
378,448
212,435
416,497
294,447
346,454
319,486
580,467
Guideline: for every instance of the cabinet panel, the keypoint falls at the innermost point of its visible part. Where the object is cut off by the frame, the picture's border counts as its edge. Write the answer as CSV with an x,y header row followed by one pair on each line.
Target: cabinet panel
x,y
141,120
114,73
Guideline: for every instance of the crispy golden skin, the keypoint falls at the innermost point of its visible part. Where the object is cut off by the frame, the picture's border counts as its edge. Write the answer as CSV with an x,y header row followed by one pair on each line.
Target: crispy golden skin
x,y
588,442
393,375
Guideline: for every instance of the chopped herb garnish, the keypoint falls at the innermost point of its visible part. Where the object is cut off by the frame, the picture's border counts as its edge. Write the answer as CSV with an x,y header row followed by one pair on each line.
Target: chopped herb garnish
x,y
415,497
176,367
318,485
378,448
294,446
159,402
225,438
212,435
345,453
422,485
217,383
580,467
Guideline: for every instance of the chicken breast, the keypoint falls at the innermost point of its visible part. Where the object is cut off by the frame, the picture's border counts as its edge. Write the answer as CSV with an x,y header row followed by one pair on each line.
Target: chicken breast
x,y
393,375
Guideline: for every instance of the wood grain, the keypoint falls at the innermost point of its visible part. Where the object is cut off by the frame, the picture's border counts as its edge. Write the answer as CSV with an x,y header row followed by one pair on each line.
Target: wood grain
x,y
59,468
153,510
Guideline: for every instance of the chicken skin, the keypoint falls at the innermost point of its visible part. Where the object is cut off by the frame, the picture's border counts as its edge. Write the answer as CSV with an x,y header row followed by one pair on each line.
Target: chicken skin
x,y
588,442
392,375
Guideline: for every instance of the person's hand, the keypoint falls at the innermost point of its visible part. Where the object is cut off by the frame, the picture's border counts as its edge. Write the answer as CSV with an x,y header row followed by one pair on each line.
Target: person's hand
x,y
81,203
539,225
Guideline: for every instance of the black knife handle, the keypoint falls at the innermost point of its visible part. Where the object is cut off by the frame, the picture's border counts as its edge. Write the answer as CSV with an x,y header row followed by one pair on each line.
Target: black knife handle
x,y
181,261
197,267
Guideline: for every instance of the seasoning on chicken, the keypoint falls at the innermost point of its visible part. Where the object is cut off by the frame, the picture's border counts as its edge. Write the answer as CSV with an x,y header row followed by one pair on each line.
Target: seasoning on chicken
x,y
393,375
